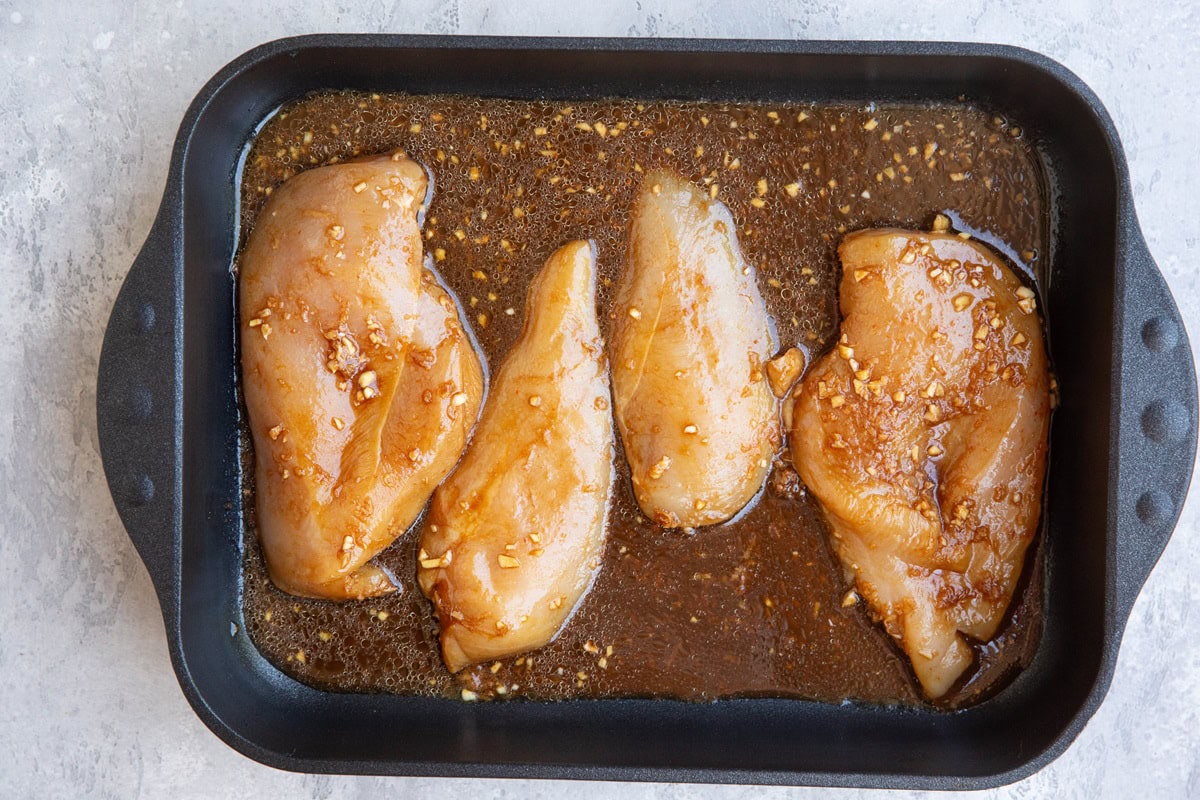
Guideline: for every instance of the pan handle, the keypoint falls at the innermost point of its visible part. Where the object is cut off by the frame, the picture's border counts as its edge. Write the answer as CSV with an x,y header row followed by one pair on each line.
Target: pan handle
x,y
138,400
1157,414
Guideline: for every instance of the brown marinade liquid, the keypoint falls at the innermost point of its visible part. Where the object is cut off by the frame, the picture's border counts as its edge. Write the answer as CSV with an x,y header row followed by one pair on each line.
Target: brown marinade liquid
x,y
754,607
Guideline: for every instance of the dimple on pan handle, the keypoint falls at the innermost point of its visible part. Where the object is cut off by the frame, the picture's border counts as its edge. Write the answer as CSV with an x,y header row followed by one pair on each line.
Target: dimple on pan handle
x,y
1158,411
138,401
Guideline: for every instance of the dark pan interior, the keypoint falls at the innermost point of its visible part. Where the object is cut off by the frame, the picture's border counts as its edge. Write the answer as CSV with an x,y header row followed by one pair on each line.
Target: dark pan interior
x,y
279,721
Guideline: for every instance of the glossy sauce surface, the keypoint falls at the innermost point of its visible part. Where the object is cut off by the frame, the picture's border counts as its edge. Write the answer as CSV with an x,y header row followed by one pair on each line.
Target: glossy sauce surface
x,y
756,606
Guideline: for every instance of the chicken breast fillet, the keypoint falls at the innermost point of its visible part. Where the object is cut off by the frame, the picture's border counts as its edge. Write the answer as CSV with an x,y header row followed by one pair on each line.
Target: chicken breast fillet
x,y
690,341
923,435
515,534
361,384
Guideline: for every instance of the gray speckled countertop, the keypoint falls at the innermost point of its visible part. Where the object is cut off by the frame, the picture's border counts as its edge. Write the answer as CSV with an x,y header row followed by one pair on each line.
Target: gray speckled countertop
x,y
90,98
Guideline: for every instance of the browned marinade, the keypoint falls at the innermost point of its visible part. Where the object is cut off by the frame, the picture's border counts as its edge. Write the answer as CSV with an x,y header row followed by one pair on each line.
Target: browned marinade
x,y
759,605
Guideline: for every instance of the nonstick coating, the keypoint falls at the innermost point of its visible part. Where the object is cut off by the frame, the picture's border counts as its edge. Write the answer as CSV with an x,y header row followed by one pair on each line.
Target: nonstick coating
x,y
1122,445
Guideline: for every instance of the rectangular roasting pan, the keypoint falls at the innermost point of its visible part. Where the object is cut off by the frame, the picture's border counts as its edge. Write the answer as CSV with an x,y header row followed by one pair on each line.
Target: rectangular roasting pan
x,y
1123,441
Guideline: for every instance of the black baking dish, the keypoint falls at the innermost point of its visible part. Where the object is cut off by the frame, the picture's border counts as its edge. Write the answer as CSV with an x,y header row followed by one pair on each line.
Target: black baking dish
x,y
1122,449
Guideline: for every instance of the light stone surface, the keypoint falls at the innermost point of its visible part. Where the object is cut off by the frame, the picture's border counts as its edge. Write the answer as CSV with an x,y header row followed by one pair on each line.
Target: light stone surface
x,y
90,98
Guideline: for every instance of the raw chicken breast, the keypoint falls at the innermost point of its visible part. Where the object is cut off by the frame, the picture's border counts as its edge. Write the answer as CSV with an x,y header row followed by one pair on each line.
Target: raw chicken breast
x,y
923,435
690,341
515,534
361,384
